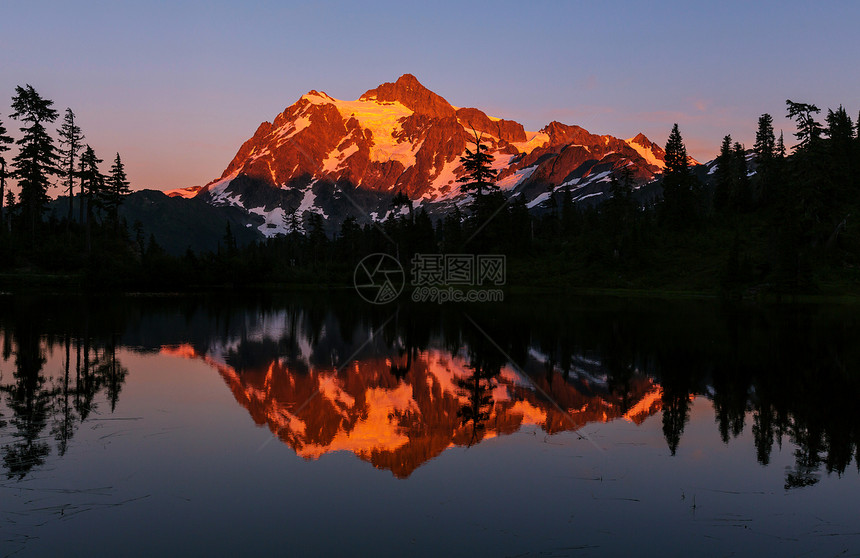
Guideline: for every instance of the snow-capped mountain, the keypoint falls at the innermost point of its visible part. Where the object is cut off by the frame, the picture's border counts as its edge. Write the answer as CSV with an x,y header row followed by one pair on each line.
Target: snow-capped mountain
x,y
340,158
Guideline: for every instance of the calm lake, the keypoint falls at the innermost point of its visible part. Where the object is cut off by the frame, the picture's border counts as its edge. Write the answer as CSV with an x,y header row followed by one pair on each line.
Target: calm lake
x,y
299,424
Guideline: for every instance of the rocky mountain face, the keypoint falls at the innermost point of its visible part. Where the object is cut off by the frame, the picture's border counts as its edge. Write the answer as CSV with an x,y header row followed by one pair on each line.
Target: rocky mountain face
x,y
341,158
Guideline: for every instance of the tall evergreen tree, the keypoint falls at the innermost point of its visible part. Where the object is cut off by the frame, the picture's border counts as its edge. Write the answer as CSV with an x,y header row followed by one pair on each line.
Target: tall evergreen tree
x,y
489,201
4,146
36,162
350,238
92,185
840,151
840,129
723,175
765,140
92,179
115,191
70,141
842,167
479,175
400,200
765,150
740,183
812,200
10,200
780,147
317,237
808,130
676,159
679,195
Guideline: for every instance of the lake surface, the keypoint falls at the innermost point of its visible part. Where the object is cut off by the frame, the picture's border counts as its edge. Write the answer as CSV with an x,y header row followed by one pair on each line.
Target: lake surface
x,y
308,425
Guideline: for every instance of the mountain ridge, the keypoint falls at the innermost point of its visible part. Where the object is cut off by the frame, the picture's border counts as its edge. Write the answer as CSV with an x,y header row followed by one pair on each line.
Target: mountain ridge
x,y
349,158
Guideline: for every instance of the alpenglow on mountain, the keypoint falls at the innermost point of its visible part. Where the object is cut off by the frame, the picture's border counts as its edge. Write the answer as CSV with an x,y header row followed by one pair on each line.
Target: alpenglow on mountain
x,y
341,158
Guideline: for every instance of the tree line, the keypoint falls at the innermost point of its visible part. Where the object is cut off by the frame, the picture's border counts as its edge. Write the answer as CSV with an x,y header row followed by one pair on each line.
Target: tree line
x,y
770,219
42,163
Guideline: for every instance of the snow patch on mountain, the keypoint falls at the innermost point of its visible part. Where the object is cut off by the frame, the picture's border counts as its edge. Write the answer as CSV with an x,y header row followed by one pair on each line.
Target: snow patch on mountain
x,y
538,200
293,128
186,193
383,119
217,189
336,158
274,222
512,181
646,153
533,141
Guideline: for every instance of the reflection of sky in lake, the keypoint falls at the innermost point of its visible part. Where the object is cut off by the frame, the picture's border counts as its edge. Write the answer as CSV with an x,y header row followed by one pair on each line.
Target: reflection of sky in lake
x,y
180,468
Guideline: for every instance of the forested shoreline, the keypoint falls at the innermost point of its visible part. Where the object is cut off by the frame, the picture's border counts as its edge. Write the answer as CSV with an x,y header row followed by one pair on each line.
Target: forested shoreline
x,y
770,220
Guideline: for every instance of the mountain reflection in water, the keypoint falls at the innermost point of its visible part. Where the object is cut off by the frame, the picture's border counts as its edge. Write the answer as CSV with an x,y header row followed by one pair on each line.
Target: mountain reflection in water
x,y
398,421
397,387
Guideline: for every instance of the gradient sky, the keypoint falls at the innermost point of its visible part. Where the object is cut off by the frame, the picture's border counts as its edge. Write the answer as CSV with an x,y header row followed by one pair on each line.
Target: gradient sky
x,y
177,86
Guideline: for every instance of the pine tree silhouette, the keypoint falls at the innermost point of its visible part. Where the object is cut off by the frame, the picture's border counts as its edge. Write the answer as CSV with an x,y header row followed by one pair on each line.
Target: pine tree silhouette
x,y
36,162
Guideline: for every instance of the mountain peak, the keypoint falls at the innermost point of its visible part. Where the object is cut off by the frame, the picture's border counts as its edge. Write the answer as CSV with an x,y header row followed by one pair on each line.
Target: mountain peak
x,y
402,137
643,140
413,95
315,93
650,151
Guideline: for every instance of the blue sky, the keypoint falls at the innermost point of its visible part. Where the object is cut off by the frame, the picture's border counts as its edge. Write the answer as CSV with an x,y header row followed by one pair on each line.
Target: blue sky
x,y
177,86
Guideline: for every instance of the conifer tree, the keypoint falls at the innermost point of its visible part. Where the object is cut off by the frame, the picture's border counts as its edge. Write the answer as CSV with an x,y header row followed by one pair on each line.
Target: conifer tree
x,y
808,130
36,162
723,175
4,146
295,222
567,211
92,179
230,246
115,191
10,201
350,238
813,195
765,141
489,201
840,129
479,175
92,184
70,138
618,210
400,200
765,150
679,200
677,162
840,149
780,147
740,180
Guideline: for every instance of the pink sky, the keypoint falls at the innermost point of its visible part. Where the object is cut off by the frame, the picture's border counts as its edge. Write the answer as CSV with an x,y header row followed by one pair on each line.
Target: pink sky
x,y
176,88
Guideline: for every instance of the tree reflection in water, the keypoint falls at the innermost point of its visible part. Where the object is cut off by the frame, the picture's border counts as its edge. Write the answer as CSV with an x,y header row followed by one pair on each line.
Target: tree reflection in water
x,y
36,401
789,373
